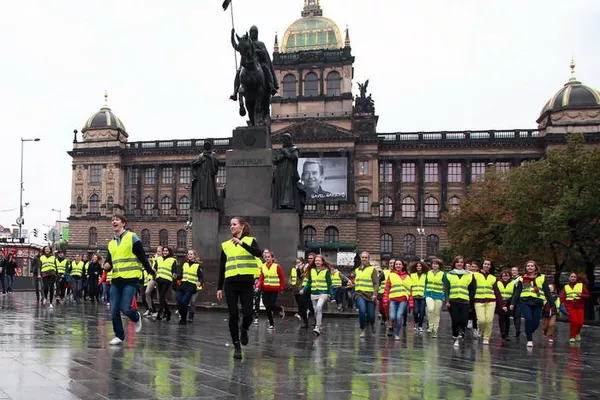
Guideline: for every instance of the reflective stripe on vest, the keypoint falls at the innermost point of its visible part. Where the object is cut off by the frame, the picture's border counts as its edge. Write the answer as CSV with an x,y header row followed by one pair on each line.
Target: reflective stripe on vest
x,y
271,278
386,275
418,288
61,266
485,286
574,293
190,273
399,287
147,278
336,280
293,276
165,268
125,263
77,269
109,275
48,264
459,286
528,291
319,280
506,290
363,281
435,283
239,261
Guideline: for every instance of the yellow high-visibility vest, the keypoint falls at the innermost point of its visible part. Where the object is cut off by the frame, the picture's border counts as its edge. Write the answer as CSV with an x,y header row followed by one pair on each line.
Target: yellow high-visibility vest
x,y
363,281
418,288
165,268
485,286
506,290
435,282
386,275
271,278
336,280
318,278
239,261
459,286
61,266
400,287
48,264
77,269
190,273
574,293
528,291
125,264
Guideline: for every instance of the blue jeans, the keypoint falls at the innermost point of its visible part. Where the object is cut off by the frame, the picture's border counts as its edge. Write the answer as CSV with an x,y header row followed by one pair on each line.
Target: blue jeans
x,y
419,311
183,298
397,309
9,282
121,297
366,311
532,315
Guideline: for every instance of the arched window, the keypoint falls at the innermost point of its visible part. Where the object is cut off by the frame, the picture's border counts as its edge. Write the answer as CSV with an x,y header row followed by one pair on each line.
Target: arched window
x,y
409,207
289,87
386,207
454,204
432,208
93,236
184,205
433,245
181,239
409,245
165,204
311,84
94,203
79,204
109,204
145,237
163,237
309,234
148,205
387,243
332,235
334,84
132,204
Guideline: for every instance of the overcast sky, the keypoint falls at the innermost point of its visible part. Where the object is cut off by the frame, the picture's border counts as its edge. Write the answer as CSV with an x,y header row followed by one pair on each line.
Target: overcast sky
x,y
168,68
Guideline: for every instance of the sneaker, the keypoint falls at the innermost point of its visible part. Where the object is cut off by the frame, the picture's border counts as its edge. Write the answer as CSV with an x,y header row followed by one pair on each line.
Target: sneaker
x,y
470,324
244,337
138,323
147,313
456,343
44,302
530,343
271,328
420,329
317,330
282,312
550,339
362,333
485,341
476,334
237,353
578,338
50,306
429,330
298,316
115,342
397,337
572,340
256,320
434,334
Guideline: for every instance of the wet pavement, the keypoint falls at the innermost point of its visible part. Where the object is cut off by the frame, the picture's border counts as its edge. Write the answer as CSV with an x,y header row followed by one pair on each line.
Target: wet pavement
x,y
64,354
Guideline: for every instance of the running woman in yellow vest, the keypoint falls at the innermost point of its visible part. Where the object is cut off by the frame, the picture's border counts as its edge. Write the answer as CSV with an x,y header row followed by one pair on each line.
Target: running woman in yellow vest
x,y
486,299
573,296
529,297
458,289
383,277
166,271
77,273
48,273
549,314
434,295
126,258
319,284
236,275
61,269
506,287
418,276
271,282
395,296
337,281
366,287
151,285
190,276
297,277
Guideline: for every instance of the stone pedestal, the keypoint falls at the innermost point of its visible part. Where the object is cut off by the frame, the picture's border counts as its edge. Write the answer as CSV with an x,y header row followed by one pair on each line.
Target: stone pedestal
x,y
205,226
284,230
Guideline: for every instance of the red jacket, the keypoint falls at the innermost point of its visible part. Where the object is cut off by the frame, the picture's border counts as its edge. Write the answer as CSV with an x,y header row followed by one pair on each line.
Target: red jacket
x,y
579,303
269,288
388,286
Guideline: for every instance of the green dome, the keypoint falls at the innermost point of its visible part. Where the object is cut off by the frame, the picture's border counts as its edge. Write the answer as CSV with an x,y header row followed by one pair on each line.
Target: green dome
x,y
312,33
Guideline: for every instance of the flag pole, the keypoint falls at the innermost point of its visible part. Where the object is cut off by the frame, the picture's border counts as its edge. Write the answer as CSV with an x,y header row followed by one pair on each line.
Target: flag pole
x,y
233,27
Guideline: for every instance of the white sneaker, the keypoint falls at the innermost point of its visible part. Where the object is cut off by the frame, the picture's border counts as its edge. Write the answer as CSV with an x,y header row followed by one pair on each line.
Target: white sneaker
x,y
362,333
530,344
147,313
397,337
138,324
485,341
476,333
429,330
421,330
271,328
298,316
50,306
256,320
317,330
456,343
470,324
115,342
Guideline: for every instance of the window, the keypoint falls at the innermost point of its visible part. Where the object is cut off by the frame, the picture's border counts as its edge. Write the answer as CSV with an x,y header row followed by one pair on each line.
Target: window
x,y
432,207
363,204
79,204
165,204
363,167
149,176
94,203
431,172
409,245
386,207
289,87
163,237
310,207
309,234
181,239
332,235
386,243
145,237
133,175
185,175
332,206
148,205
477,172
409,174
433,245
132,204
167,175
95,173
502,167
454,204
109,204
311,84
409,207
92,236
221,176
184,205
454,172
385,172
334,84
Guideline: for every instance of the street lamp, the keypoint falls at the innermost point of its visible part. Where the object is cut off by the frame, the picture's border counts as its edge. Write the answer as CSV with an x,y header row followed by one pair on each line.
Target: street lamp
x,y
20,220
421,230
59,213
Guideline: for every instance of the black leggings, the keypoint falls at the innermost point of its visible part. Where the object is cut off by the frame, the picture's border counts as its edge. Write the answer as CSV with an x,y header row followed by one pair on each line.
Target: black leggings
x,y
504,322
301,302
48,284
270,302
241,292
459,313
163,291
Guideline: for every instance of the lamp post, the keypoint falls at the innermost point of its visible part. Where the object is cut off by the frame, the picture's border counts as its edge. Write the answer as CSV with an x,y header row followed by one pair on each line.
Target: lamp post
x,y
20,221
421,230
59,213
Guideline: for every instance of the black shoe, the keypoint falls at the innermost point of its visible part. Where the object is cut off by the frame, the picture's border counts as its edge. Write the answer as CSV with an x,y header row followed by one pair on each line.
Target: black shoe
x,y
183,322
244,337
168,317
237,353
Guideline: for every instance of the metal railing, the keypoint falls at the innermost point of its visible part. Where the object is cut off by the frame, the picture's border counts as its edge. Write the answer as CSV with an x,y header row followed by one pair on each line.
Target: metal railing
x,y
181,143
461,135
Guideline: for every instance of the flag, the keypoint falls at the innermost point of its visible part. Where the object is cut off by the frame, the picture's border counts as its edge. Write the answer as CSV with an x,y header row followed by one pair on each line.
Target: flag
x,y
226,4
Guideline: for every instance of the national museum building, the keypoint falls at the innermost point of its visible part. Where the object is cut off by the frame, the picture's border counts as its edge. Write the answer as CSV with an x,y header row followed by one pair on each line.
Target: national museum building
x,y
385,192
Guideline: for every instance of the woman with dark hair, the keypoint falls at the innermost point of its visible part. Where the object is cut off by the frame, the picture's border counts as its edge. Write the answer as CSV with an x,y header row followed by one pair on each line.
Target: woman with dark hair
x,y
48,273
506,287
11,269
458,287
486,299
271,282
573,296
191,276
238,265
395,295
94,272
319,284
434,295
366,288
166,271
310,264
418,276
297,278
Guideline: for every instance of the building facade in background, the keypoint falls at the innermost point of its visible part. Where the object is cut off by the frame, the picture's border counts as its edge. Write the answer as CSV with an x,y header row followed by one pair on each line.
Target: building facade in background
x,y
385,192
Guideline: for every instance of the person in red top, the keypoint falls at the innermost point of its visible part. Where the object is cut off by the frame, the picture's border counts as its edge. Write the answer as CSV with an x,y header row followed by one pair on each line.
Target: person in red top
x,y
573,296
396,295
271,282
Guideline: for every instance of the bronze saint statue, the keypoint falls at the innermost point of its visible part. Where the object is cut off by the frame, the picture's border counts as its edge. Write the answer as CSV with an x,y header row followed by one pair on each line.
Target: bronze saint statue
x,y
204,180
286,193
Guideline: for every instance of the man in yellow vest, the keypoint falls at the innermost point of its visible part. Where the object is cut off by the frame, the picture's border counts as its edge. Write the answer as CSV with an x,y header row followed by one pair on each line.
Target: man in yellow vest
x,y
125,259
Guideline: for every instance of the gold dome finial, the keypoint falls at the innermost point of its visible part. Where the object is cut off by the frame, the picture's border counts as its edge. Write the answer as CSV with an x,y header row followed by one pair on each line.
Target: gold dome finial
x,y
572,65
347,41
276,45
